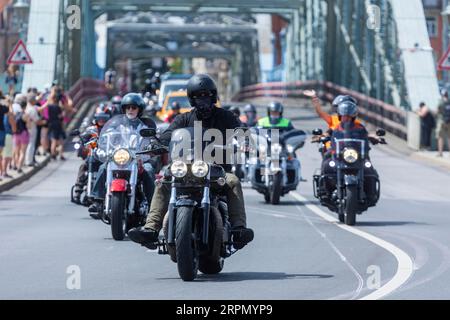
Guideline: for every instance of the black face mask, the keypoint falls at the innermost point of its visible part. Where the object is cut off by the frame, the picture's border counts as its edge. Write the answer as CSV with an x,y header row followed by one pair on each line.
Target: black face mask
x,y
204,107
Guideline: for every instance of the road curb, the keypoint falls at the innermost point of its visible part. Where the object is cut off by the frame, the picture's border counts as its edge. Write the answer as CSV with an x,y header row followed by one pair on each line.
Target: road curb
x,y
76,121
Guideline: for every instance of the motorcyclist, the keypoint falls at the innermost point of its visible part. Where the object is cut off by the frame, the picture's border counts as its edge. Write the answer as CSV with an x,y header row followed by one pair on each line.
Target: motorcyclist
x,y
202,93
115,106
236,111
250,116
99,121
275,118
133,107
175,110
348,128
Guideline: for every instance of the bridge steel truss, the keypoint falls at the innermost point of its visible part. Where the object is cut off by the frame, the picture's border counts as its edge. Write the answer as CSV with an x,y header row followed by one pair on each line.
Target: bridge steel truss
x,y
326,40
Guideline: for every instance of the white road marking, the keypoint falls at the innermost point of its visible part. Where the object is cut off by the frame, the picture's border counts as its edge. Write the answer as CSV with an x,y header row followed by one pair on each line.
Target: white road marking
x,y
405,266
338,252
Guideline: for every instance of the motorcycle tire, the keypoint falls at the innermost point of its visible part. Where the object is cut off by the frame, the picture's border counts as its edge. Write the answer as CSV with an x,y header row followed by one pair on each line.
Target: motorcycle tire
x,y
118,221
351,204
187,256
275,192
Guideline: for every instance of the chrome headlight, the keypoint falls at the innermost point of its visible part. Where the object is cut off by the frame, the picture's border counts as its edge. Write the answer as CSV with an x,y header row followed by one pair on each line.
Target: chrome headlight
x,y
351,155
276,148
200,169
178,169
121,157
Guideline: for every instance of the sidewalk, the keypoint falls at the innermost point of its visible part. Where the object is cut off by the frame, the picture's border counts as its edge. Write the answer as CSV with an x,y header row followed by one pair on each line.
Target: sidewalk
x,y
28,172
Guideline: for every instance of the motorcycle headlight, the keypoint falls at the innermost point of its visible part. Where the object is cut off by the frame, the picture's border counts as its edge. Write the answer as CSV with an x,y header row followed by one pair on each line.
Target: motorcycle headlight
x,y
276,148
178,169
200,169
351,155
121,157
77,146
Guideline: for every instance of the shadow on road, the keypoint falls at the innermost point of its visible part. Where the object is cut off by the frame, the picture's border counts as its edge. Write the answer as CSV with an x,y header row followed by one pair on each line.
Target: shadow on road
x,y
295,203
245,276
388,223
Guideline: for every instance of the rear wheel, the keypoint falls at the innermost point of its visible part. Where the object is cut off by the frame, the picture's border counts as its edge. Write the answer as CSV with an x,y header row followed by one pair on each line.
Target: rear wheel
x,y
267,197
118,220
187,260
276,188
351,205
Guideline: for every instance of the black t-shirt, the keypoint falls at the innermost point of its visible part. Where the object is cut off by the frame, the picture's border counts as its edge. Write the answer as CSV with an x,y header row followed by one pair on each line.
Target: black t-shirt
x,y
221,120
3,110
54,115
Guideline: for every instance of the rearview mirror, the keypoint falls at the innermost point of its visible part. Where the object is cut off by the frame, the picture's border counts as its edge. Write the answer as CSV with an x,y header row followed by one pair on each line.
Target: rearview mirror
x,y
147,133
381,132
317,132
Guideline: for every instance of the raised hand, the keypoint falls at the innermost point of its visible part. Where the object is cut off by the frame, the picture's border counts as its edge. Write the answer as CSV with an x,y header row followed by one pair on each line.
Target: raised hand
x,y
310,93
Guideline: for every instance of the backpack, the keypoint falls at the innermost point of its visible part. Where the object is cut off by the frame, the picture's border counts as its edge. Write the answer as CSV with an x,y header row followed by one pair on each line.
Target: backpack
x,y
446,114
21,126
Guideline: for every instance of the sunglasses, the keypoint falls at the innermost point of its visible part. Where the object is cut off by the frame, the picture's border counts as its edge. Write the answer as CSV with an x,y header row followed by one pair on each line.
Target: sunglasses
x,y
132,107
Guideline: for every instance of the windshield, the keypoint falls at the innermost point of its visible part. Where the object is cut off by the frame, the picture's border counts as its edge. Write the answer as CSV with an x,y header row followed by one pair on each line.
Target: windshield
x,y
350,139
120,132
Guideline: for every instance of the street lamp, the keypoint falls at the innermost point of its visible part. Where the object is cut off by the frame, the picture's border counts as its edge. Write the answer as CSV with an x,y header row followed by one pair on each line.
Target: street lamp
x,y
445,14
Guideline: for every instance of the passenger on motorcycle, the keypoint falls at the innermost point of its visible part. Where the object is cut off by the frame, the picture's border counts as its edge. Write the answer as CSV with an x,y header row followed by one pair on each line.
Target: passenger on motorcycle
x,y
349,128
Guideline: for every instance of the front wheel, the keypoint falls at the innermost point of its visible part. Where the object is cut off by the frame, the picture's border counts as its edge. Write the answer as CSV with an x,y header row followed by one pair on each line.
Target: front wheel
x,y
211,266
187,257
276,188
118,221
351,204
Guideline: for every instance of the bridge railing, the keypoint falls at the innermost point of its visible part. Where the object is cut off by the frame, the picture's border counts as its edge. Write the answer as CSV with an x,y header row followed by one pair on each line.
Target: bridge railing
x,y
373,111
86,88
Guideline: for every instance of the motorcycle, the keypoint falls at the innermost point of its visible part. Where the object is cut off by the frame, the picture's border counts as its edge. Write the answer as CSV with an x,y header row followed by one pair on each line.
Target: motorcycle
x,y
352,176
277,170
125,205
197,231
86,147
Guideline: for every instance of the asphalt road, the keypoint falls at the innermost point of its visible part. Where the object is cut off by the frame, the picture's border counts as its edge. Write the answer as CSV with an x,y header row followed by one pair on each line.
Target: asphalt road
x,y
297,252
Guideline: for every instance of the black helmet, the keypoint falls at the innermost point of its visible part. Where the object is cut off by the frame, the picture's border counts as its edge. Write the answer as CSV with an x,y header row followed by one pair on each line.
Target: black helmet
x,y
347,108
202,87
235,110
133,99
116,100
340,99
275,107
249,108
101,116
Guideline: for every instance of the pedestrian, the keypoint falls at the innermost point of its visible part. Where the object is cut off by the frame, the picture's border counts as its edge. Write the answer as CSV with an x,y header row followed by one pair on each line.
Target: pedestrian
x,y
11,79
10,126
21,136
33,119
427,124
4,109
55,107
443,123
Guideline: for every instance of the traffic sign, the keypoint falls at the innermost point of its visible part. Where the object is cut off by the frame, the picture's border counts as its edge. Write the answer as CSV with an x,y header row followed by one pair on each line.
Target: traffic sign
x,y
20,54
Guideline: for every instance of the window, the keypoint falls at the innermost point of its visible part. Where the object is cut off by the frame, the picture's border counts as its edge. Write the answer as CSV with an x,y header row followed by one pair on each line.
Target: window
x,y
432,26
431,3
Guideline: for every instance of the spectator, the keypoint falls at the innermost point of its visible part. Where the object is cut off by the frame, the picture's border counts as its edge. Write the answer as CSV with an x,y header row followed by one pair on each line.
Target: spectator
x,y
10,126
21,137
11,79
55,107
33,119
443,123
4,109
428,123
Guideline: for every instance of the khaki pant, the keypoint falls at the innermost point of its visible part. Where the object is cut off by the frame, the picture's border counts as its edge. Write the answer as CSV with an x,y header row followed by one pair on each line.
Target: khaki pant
x,y
235,200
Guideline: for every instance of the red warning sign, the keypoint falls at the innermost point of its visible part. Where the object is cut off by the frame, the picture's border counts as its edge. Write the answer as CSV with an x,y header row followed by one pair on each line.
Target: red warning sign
x,y
444,62
20,54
